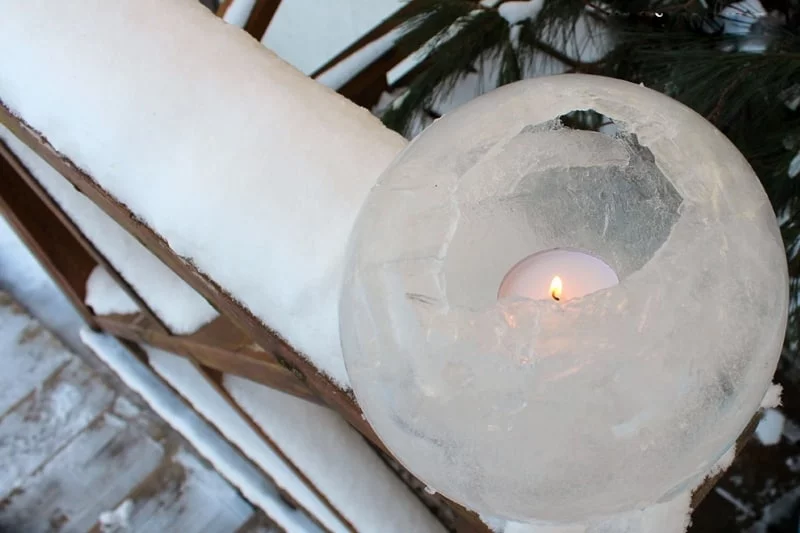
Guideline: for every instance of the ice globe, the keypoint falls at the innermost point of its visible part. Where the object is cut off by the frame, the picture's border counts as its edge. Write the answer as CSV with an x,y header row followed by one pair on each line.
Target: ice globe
x,y
545,321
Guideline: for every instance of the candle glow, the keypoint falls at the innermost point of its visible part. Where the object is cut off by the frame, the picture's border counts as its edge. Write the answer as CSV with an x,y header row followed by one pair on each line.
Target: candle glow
x,y
543,275
555,288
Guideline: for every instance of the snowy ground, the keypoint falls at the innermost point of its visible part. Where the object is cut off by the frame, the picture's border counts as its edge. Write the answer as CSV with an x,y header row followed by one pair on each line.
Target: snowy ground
x,y
25,280
60,416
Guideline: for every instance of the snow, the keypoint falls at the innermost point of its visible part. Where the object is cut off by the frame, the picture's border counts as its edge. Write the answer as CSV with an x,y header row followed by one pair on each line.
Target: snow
x,y
206,441
389,99
515,12
203,480
28,283
791,431
520,527
672,516
733,500
247,168
105,296
193,386
125,408
238,12
27,354
342,72
495,524
117,519
723,463
177,304
323,28
772,398
738,17
335,458
770,428
777,512
794,164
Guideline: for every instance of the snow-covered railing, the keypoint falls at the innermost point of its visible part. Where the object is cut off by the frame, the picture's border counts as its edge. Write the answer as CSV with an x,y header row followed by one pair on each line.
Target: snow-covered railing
x,y
72,260
272,345
359,72
270,163
253,16
218,348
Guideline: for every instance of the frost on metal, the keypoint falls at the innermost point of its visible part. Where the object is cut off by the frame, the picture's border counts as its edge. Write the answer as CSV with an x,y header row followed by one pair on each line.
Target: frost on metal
x,y
533,409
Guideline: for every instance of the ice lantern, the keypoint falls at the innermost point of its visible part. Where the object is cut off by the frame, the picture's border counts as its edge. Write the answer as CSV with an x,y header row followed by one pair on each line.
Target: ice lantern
x,y
527,407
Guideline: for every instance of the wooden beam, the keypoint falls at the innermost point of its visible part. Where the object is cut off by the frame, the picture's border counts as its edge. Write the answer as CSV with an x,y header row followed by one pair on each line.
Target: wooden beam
x,y
699,493
142,356
387,25
366,86
260,17
73,229
409,76
48,240
319,384
218,387
217,348
224,353
223,8
211,5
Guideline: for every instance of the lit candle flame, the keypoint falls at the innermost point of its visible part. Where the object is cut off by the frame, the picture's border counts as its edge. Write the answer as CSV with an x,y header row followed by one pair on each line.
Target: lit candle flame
x,y
555,288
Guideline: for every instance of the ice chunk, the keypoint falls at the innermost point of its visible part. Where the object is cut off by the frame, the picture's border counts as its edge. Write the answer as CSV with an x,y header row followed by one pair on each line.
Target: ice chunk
x,y
105,296
770,428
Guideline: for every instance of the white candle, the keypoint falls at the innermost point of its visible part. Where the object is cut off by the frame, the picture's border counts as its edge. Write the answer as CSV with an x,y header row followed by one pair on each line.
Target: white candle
x,y
557,275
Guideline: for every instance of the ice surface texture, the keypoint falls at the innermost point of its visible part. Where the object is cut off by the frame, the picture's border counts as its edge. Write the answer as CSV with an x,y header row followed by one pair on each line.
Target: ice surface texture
x,y
563,411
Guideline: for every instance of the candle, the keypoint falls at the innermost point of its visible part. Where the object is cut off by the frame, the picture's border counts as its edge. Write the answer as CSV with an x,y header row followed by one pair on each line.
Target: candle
x,y
557,275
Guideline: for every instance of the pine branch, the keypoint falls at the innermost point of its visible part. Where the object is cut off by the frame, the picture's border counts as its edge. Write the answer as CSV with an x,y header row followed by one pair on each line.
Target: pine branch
x,y
475,37
555,17
426,22
509,66
531,45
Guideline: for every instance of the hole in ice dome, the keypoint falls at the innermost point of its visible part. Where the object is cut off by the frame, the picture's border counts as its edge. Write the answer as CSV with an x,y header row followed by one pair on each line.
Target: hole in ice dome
x,y
580,183
589,120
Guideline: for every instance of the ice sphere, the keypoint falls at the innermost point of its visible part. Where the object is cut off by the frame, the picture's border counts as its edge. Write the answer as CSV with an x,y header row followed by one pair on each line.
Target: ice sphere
x,y
562,411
